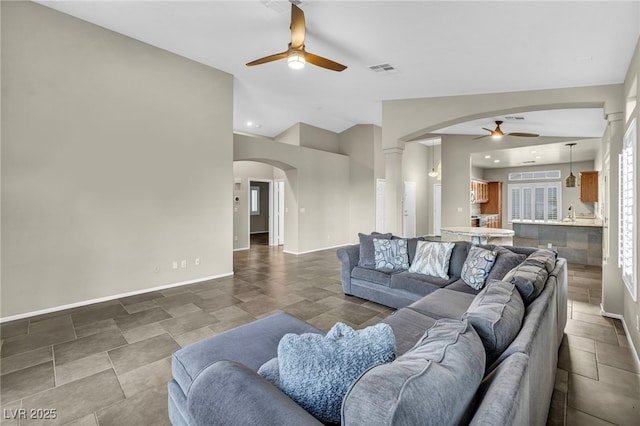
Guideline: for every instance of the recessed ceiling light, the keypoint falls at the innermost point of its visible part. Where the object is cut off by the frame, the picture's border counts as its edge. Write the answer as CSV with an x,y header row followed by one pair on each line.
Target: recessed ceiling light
x,y
534,151
249,123
496,161
487,156
538,157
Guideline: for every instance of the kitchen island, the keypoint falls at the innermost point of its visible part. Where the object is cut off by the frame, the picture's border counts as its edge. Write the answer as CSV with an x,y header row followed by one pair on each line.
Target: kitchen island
x,y
578,241
479,235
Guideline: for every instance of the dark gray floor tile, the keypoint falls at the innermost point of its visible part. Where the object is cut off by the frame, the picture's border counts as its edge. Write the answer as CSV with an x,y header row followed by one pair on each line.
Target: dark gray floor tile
x,y
578,342
10,413
89,345
353,313
131,321
88,420
144,332
76,399
178,299
144,297
306,309
26,382
145,408
606,334
176,326
14,328
96,327
578,418
83,367
260,305
98,314
136,355
29,342
603,401
52,324
616,356
26,359
148,376
578,362
627,382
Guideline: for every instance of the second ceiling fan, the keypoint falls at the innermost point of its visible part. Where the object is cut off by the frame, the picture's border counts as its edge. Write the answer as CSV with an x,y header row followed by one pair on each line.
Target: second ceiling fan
x,y
498,133
296,54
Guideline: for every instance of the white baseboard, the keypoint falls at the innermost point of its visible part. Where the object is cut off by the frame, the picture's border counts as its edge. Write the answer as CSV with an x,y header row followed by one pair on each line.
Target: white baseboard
x,y
107,298
241,248
297,253
626,331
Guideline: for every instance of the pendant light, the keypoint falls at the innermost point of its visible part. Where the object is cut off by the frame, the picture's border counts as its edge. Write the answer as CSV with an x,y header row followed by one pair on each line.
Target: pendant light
x,y
570,181
433,172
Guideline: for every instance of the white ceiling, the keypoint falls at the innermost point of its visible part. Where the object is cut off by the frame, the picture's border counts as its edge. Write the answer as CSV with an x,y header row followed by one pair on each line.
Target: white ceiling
x,y
438,49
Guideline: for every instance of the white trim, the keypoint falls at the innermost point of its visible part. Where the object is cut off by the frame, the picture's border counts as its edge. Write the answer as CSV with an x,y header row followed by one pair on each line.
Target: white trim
x,y
107,298
626,331
314,250
241,249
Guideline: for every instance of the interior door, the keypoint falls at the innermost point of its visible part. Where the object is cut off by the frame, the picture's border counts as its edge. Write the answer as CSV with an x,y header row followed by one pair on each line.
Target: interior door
x,y
437,208
409,209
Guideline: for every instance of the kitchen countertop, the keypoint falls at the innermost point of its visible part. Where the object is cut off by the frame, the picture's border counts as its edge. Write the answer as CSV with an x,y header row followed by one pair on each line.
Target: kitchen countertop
x,y
479,235
578,222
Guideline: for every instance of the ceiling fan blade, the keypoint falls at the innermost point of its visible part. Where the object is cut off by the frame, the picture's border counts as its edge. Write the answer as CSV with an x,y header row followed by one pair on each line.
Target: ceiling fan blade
x,y
488,130
269,58
523,135
480,137
324,62
297,27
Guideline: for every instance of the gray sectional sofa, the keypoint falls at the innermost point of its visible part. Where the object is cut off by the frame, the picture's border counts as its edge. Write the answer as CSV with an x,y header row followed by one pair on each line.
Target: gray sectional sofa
x,y
483,357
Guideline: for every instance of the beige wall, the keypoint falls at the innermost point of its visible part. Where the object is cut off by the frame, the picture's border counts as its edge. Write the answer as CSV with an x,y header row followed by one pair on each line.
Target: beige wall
x,y
116,161
316,191
416,165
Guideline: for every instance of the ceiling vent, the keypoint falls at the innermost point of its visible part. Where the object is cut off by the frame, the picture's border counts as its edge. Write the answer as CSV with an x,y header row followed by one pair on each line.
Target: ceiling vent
x,y
514,117
383,69
529,162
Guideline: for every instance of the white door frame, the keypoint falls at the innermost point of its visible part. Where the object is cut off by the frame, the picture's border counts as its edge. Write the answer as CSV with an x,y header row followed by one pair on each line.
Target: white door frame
x,y
270,212
278,212
409,209
437,208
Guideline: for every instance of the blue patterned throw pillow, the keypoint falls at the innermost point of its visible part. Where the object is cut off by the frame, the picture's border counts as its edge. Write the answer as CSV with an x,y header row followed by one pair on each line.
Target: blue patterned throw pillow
x,y
477,266
391,255
316,371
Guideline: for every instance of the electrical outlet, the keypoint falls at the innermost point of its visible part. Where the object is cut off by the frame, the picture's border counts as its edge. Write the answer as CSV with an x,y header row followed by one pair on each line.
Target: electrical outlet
x,y
549,245
196,261
235,238
183,263
175,264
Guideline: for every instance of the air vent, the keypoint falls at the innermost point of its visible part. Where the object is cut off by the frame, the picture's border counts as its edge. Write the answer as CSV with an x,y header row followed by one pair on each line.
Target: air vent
x,y
383,69
529,162
514,117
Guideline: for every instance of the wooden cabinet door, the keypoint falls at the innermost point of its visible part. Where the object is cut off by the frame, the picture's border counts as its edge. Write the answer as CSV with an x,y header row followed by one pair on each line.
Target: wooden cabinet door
x,y
589,186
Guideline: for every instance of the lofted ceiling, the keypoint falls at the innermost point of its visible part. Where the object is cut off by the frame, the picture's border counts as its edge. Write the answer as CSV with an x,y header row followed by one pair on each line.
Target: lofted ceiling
x,y
437,49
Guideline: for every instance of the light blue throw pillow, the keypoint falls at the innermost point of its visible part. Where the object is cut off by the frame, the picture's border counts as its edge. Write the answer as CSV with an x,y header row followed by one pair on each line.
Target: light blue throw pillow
x,y
391,255
317,371
477,267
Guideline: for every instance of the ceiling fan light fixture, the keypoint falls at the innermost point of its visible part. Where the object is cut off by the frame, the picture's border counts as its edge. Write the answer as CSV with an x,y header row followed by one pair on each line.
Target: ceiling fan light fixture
x,y
433,173
296,61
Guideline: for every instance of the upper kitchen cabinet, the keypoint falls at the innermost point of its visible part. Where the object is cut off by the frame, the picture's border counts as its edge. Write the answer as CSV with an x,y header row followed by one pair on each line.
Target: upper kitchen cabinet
x,y
589,186
480,191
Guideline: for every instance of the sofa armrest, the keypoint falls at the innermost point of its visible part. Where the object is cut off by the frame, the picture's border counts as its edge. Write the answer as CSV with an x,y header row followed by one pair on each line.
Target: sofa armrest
x,y
349,257
228,393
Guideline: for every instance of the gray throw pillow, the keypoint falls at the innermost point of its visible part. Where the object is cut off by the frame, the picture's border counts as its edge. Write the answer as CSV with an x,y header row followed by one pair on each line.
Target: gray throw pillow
x,y
316,371
477,266
543,257
391,255
506,260
367,249
496,314
529,279
432,384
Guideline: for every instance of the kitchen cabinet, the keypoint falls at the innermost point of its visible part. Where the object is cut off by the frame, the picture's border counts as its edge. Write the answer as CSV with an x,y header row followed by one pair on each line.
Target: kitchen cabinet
x,y
480,191
493,205
589,186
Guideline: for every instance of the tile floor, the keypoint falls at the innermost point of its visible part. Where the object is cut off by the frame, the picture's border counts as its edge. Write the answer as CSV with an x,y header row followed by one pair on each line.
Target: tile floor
x,y
108,363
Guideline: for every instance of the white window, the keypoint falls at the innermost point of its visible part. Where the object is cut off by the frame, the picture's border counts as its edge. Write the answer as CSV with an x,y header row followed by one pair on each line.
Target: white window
x,y
540,175
254,200
535,201
627,232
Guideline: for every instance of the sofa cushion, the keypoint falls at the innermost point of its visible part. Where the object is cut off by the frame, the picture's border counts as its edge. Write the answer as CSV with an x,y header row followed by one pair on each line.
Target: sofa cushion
x,y
432,384
505,261
477,266
418,283
529,278
373,276
432,258
461,286
458,256
543,257
408,327
443,303
317,371
367,250
496,313
391,255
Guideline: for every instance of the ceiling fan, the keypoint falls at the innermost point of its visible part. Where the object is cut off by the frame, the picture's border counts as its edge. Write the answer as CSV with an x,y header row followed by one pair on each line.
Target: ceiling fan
x,y
498,133
296,54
